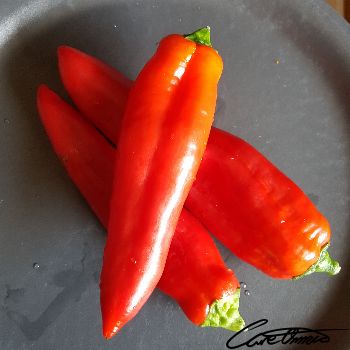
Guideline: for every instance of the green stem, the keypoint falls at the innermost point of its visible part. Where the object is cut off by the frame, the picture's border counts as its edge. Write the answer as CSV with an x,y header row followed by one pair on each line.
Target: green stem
x,y
224,313
200,36
324,264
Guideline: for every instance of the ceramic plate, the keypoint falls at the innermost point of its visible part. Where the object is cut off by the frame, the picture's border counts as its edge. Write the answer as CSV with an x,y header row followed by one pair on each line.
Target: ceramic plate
x,y
285,89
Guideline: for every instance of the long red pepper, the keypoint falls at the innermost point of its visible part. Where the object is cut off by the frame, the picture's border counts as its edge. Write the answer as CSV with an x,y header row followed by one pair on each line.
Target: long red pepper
x,y
164,132
195,274
238,194
111,84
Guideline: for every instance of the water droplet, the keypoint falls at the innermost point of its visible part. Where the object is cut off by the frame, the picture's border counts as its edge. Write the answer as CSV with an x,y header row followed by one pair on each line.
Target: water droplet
x,y
198,7
247,293
243,285
6,121
283,221
277,61
259,136
36,266
180,19
115,26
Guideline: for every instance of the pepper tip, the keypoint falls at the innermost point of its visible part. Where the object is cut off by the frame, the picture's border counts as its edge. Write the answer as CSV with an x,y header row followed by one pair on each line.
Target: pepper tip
x,y
200,36
325,263
224,313
108,334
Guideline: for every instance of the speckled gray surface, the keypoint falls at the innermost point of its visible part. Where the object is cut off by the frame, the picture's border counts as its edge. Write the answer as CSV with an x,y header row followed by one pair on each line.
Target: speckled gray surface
x,y
296,111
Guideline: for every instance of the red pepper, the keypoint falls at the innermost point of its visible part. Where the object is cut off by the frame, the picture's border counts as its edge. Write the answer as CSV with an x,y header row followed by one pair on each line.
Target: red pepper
x,y
95,99
195,274
242,198
273,225
164,132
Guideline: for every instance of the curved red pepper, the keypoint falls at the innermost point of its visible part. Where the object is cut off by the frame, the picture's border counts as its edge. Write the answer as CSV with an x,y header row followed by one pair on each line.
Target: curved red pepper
x,y
164,132
273,225
195,274
242,198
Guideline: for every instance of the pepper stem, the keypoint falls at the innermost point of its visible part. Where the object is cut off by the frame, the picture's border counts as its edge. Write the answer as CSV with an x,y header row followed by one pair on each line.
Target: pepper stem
x,y
224,313
200,36
324,264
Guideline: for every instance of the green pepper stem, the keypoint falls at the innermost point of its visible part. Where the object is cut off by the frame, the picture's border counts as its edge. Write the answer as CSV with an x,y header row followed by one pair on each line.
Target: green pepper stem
x,y
200,36
224,313
324,264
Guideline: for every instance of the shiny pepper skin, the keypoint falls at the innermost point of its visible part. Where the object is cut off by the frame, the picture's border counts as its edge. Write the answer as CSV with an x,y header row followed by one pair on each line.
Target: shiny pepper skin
x,y
194,274
240,196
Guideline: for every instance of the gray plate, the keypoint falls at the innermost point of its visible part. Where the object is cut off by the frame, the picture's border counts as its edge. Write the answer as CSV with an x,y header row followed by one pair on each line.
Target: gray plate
x,y
295,111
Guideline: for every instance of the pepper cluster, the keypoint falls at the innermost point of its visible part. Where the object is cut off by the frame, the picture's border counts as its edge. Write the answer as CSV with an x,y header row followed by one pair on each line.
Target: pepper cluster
x,y
141,155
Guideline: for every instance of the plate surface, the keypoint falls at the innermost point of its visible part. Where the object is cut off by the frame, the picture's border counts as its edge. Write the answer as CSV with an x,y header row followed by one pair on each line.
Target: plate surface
x,y
285,89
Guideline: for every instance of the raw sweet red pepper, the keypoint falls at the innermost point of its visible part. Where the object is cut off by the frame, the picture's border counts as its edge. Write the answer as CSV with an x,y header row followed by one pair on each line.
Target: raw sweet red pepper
x,y
241,197
164,132
195,274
